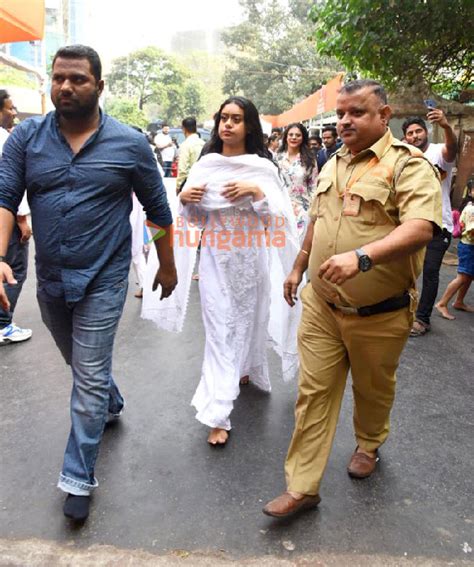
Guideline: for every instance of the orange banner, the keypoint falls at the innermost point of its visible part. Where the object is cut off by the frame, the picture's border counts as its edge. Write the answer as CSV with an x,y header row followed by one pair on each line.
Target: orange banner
x,y
21,20
321,101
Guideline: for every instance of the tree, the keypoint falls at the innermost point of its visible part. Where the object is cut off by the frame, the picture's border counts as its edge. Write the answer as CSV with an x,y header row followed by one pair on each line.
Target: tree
x,y
10,77
145,75
272,58
400,42
181,101
153,78
207,71
127,112
193,105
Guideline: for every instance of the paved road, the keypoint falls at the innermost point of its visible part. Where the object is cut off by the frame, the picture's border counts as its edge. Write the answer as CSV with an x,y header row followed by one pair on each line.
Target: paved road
x,y
163,489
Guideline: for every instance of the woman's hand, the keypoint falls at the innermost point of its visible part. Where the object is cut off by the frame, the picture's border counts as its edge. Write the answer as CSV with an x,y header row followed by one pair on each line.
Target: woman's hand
x,y
192,195
236,189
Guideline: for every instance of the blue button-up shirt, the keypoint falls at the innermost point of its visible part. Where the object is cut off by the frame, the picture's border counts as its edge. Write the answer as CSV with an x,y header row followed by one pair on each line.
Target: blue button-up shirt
x,y
81,203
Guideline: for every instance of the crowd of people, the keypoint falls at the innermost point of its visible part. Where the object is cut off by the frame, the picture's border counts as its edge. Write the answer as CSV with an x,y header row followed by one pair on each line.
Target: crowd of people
x,y
314,244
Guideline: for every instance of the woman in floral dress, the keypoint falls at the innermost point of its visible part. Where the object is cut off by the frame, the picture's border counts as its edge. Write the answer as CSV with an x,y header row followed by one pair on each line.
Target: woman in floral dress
x,y
300,171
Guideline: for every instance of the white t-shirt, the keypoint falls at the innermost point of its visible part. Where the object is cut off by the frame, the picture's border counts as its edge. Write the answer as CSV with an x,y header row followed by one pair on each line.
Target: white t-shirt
x,y
23,209
434,153
161,139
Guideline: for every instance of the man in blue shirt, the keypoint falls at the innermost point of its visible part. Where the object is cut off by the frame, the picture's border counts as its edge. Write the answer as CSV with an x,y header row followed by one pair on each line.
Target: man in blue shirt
x,y
331,145
79,167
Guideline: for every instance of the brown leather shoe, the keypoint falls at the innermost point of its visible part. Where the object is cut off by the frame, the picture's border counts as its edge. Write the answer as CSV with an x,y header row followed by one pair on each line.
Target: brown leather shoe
x,y
361,465
285,505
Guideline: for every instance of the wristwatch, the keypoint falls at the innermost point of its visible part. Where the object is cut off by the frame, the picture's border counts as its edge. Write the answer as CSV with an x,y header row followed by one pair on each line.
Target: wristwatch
x,y
365,263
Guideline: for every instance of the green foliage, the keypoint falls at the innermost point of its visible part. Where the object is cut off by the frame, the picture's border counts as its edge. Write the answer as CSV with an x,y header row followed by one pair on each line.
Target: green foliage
x,y
399,42
152,77
272,58
207,71
127,112
145,74
10,77
193,105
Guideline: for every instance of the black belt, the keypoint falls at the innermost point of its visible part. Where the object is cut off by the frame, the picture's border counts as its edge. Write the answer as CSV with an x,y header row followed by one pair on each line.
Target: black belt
x,y
391,304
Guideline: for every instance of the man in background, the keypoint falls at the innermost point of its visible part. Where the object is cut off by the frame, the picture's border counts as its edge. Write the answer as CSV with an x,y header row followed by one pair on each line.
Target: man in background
x,y
315,143
189,151
166,147
329,137
17,253
442,156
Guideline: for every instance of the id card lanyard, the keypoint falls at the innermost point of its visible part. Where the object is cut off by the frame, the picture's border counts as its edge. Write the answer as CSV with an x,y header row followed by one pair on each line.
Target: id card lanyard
x,y
351,203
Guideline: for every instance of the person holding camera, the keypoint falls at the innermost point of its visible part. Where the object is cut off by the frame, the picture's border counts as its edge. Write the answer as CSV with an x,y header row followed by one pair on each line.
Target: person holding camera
x,y
442,156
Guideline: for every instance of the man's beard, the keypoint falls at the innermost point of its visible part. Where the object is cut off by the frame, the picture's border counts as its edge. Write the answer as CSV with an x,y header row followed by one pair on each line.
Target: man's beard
x,y
79,110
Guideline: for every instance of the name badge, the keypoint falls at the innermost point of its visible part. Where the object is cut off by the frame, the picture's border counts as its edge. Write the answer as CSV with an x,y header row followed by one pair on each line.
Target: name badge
x,y
351,205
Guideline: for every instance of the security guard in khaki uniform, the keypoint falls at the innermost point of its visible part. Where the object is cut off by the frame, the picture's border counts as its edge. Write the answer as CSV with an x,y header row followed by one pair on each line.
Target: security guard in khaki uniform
x,y
375,208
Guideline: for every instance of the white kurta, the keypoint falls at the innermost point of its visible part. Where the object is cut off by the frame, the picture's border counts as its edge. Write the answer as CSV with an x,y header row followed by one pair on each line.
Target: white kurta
x,y
234,284
247,249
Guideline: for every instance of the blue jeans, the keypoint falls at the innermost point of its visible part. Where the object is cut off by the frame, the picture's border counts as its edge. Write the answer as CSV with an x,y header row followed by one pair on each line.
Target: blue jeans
x,y
167,168
17,259
84,333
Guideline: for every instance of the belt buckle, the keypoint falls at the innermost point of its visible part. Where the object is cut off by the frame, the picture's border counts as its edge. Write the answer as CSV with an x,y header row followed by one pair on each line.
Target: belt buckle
x,y
347,310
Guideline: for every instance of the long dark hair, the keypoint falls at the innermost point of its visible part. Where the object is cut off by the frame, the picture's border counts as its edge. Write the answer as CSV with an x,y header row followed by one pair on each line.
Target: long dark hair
x,y
306,155
254,143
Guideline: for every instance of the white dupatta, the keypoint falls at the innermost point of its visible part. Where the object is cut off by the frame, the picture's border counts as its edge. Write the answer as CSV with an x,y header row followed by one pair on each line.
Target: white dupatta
x,y
213,171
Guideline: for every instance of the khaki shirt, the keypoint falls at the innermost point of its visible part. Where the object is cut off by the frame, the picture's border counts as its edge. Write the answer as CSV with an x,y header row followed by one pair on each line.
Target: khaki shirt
x,y
189,152
388,184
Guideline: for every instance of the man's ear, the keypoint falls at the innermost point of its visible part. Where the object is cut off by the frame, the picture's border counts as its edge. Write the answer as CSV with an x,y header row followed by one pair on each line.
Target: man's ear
x,y
385,113
100,86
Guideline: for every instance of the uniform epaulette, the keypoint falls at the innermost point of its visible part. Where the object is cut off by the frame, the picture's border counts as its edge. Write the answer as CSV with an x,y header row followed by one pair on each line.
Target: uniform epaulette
x,y
414,152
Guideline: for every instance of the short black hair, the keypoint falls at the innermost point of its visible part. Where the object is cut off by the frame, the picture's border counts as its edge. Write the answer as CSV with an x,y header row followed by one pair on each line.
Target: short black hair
x,y
81,52
189,124
413,120
331,129
4,95
354,86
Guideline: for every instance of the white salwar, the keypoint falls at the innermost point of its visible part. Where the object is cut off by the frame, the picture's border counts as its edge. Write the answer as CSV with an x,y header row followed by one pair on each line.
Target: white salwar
x,y
247,249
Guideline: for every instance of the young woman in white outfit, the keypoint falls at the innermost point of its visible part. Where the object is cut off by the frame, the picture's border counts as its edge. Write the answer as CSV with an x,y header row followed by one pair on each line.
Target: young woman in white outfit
x,y
234,192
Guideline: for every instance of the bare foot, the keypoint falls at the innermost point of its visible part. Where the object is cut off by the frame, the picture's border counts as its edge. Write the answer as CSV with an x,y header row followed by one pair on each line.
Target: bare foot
x,y
463,307
443,311
139,294
218,436
244,380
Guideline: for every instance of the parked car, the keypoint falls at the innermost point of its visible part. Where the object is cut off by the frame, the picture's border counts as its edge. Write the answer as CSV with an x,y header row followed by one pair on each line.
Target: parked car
x,y
178,134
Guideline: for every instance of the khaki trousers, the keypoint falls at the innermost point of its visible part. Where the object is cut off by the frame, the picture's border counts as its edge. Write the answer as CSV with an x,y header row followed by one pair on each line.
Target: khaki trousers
x,y
329,343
